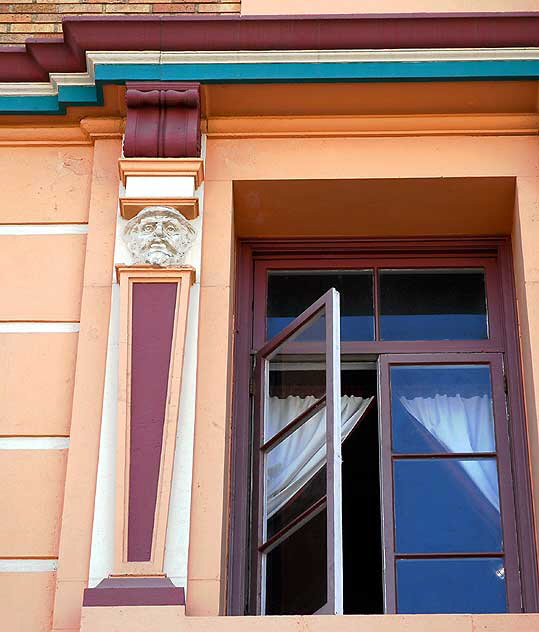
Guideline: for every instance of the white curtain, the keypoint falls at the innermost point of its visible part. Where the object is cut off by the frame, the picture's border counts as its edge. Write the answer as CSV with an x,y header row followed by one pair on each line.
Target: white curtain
x,y
300,456
462,424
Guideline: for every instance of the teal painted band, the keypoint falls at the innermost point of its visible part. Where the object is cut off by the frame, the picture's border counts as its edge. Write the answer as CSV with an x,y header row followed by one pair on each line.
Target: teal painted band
x,y
270,73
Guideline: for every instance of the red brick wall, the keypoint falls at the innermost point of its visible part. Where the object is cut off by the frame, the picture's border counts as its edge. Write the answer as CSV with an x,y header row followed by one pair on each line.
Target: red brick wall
x,y
20,19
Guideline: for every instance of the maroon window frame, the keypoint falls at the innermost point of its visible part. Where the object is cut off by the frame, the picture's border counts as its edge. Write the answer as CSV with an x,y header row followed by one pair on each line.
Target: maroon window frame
x,y
256,257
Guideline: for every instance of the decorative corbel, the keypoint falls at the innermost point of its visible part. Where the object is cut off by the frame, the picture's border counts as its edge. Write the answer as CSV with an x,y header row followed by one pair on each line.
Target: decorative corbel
x,y
163,120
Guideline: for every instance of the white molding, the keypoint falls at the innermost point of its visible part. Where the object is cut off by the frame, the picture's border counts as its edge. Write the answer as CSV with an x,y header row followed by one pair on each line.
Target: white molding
x,y
348,56
71,79
22,565
43,229
39,328
31,89
159,186
34,443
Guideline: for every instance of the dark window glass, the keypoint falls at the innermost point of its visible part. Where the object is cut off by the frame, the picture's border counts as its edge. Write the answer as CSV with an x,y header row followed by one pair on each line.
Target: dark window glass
x,y
447,506
442,409
296,571
290,293
433,305
474,585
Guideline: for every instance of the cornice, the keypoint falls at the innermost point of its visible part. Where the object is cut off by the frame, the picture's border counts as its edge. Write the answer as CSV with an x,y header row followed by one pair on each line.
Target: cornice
x,y
47,75
366,126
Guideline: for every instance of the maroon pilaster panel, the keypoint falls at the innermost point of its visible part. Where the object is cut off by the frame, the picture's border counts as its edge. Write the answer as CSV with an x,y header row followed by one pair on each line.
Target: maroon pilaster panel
x,y
153,309
163,120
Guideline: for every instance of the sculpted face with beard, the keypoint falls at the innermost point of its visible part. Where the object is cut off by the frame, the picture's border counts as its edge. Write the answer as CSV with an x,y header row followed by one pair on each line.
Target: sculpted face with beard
x,y
159,235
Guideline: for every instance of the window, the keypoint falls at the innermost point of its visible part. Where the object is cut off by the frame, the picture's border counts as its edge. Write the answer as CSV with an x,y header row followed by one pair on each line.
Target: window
x,y
406,366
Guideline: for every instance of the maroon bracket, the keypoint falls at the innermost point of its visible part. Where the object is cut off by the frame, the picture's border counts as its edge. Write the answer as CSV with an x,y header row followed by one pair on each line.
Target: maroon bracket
x,y
163,120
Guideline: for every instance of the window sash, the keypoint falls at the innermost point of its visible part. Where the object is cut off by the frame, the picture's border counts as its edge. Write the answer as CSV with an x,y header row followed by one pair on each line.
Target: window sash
x,y
505,484
328,304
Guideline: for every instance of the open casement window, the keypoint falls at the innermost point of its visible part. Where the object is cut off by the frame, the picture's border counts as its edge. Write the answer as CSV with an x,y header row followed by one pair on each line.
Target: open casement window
x,y
297,504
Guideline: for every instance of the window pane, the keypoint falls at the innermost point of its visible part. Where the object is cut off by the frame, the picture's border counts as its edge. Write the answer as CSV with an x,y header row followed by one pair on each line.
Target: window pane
x,y
433,305
441,408
293,388
296,571
296,473
289,293
447,506
474,585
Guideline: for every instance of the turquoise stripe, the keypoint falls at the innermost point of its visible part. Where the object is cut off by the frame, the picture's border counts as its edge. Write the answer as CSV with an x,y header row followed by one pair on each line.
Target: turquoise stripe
x,y
34,105
271,73
364,71
80,95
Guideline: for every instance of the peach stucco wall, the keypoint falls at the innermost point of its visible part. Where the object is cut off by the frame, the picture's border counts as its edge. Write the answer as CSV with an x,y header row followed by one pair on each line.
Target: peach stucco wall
x,y
27,600
37,375
33,488
56,186
59,258
312,7
45,184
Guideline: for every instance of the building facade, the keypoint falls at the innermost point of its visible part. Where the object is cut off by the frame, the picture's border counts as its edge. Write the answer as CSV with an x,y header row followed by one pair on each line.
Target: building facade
x,y
269,317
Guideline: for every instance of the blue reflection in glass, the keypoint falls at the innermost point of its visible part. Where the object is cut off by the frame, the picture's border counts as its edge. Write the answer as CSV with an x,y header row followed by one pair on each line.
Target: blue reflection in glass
x,y
290,292
445,408
433,305
474,585
433,327
352,327
447,506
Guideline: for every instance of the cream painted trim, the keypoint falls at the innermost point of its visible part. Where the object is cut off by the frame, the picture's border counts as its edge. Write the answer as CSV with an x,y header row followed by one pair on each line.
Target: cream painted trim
x,y
366,126
28,136
70,79
100,128
34,443
162,167
188,207
85,133
24,565
34,89
349,56
127,275
308,56
39,328
43,229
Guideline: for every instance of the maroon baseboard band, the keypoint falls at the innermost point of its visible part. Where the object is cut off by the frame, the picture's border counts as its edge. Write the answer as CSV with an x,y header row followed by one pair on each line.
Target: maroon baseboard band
x,y
39,57
134,591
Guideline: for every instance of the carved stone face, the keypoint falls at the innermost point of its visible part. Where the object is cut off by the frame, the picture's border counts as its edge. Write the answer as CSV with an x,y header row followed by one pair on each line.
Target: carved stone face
x,y
159,235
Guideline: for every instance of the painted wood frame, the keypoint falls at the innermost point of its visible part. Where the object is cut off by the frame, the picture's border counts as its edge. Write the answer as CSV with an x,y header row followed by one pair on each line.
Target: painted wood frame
x,y
502,453
327,306
128,277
